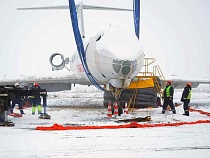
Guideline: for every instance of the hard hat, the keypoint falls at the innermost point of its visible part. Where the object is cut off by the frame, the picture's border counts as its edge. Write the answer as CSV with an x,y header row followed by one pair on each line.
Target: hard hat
x,y
189,84
36,84
169,81
17,84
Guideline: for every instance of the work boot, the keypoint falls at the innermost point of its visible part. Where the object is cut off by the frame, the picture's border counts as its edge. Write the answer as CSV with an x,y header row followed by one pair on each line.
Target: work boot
x,y
22,112
187,113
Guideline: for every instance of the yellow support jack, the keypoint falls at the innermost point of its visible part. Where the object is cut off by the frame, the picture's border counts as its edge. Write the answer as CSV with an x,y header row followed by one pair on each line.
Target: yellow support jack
x,y
150,77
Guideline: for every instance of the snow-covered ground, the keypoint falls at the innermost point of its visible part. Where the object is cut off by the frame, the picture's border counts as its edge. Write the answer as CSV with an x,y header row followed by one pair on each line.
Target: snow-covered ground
x,y
23,141
77,96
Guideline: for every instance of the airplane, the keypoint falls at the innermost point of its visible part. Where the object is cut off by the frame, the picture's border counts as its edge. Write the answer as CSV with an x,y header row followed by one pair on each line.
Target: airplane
x,y
103,60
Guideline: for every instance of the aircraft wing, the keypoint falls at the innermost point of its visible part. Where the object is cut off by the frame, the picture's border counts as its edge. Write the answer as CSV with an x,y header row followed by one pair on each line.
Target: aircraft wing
x,y
53,82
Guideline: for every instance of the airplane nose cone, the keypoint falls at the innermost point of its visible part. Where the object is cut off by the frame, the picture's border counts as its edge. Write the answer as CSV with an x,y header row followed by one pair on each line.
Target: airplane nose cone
x,y
124,67
125,53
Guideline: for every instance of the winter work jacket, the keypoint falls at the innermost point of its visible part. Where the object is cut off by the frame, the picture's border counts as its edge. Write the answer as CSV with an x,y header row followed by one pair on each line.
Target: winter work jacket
x,y
186,94
168,92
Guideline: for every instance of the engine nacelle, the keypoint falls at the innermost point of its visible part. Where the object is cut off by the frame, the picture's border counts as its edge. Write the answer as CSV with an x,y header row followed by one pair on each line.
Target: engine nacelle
x,y
57,61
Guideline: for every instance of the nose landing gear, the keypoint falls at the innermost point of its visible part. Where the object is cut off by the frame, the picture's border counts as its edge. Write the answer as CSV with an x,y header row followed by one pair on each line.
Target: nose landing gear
x,y
116,93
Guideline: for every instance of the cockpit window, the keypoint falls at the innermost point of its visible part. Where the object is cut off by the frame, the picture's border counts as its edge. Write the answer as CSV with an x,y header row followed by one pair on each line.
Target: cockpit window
x,y
116,68
117,62
126,63
126,70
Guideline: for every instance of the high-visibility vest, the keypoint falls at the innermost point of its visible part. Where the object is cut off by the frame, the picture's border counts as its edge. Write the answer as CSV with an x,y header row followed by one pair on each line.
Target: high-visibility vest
x,y
189,95
167,91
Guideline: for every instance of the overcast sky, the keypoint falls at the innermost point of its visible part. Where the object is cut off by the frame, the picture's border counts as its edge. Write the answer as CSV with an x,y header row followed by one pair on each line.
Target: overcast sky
x,y
175,32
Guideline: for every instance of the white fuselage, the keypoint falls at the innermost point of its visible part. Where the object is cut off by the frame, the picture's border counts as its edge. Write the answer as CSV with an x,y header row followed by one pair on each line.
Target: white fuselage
x,y
114,59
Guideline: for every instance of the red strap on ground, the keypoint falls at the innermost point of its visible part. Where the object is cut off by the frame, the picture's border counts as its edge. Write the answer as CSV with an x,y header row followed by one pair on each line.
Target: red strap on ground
x,y
130,125
200,111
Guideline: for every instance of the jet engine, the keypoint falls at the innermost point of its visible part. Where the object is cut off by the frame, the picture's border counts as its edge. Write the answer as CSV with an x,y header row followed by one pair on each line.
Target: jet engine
x,y
57,61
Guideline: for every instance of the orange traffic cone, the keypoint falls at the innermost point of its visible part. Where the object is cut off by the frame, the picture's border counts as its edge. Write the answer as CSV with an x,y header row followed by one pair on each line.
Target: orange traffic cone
x,y
116,109
126,109
109,114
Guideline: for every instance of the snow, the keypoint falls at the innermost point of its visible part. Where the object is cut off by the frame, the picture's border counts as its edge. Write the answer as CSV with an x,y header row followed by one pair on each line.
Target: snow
x,y
23,140
79,96
53,75
129,45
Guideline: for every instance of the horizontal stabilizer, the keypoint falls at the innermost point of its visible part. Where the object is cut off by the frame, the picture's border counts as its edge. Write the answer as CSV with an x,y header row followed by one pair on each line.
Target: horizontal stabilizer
x,y
83,6
181,83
